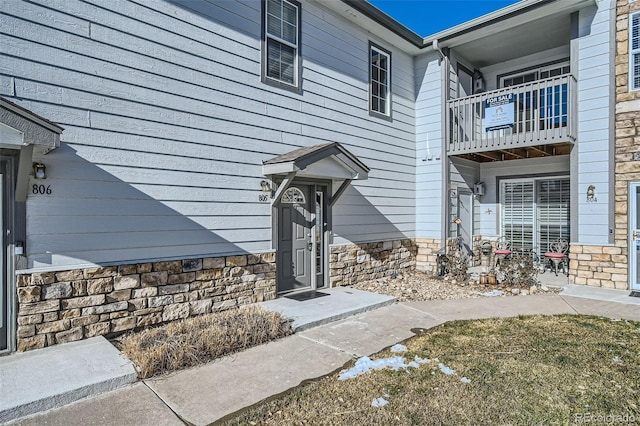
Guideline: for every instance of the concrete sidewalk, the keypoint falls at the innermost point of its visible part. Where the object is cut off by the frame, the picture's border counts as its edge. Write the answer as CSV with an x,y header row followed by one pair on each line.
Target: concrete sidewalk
x,y
208,393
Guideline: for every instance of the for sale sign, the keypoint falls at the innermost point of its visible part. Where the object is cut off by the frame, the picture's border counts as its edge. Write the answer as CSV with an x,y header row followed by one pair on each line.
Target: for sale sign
x,y
498,112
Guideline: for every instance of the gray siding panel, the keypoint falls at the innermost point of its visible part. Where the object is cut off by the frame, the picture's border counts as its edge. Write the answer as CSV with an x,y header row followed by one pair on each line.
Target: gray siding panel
x,y
167,124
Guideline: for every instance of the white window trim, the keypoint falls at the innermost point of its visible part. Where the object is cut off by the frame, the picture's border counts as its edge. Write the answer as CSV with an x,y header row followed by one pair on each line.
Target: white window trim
x,y
296,46
387,54
632,52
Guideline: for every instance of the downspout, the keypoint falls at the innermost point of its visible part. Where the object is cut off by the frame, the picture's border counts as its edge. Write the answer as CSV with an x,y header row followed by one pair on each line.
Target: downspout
x,y
444,88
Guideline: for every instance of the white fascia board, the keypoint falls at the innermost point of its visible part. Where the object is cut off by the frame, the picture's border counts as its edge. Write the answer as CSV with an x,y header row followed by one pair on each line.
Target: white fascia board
x,y
279,168
498,21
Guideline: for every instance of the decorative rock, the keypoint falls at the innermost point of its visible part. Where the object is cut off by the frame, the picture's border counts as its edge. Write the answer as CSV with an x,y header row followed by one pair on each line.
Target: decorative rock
x,y
213,263
82,302
515,291
100,272
29,294
544,288
236,260
99,285
29,343
174,312
123,324
96,329
127,269
118,296
174,267
126,282
57,291
186,277
191,265
200,307
39,307
160,301
172,289
154,278
69,335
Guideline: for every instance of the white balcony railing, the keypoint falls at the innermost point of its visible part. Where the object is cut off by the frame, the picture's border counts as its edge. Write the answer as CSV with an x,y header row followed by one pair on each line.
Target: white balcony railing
x,y
544,113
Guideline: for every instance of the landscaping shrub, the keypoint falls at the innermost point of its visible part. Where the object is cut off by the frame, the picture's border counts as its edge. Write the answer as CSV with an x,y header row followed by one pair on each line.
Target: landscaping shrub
x,y
200,339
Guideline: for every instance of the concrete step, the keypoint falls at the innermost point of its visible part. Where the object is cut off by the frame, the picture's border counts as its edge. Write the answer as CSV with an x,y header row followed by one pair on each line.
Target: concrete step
x,y
333,304
38,380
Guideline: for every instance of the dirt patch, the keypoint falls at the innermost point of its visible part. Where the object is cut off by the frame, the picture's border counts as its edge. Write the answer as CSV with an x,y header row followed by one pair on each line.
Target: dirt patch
x,y
419,286
198,340
527,370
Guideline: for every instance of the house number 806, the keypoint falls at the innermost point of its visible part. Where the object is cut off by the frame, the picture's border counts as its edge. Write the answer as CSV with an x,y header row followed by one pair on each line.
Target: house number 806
x,y
41,189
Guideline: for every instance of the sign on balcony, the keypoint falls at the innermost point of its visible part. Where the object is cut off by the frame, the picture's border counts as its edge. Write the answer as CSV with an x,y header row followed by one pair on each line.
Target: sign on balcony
x,y
498,112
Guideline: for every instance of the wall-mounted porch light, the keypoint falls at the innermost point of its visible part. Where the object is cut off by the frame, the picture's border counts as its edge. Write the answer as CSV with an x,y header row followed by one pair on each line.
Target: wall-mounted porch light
x,y
265,186
478,188
39,171
591,194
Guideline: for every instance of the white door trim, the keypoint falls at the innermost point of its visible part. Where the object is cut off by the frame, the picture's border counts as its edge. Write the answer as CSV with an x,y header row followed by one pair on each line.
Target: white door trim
x,y
634,235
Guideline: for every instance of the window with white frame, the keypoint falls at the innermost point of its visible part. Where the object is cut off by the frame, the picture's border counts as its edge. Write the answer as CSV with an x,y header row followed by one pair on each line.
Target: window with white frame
x,y
379,81
634,51
281,49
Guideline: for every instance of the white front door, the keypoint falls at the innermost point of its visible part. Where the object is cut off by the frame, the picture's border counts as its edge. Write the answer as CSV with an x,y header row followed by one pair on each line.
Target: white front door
x,y
634,236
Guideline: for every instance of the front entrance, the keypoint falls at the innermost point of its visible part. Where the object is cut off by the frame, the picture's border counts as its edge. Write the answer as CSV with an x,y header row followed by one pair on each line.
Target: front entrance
x,y
6,292
465,216
634,236
302,248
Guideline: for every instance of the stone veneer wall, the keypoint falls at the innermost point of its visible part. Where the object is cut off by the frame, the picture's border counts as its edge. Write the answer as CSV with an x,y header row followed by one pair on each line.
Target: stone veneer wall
x,y
57,307
608,266
427,252
350,264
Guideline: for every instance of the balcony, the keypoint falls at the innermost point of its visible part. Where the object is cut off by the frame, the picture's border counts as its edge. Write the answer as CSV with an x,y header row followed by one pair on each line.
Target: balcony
x,y
544,122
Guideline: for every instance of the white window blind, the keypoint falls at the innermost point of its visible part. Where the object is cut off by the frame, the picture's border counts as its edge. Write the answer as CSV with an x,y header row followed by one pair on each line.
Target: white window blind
x,y
552,210
634,51
517,212
281,36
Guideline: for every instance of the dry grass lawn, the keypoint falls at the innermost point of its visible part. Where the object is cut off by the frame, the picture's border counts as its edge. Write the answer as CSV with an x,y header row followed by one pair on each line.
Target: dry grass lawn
x,y
197,340
524,371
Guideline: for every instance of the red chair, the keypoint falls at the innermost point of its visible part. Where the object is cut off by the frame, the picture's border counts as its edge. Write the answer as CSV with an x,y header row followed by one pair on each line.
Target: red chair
x,y
558,254
503,249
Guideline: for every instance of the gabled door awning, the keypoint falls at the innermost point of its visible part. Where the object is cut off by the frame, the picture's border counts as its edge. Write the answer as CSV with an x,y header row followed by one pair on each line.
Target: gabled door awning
x,y
326,161
22,130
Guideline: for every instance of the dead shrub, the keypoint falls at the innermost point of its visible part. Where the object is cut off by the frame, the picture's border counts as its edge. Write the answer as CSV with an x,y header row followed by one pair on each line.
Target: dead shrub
x,y
197,340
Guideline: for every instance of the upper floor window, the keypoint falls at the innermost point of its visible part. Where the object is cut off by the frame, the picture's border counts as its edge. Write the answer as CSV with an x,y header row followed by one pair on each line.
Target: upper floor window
x,y
281,47
380,81
634,51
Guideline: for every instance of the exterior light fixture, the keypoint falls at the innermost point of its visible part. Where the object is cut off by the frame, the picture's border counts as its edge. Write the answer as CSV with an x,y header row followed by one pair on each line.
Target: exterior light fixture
x,y
591,194
265,186
39,171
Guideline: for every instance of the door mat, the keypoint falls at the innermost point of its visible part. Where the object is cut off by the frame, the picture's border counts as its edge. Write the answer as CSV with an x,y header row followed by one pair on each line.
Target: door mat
x,y
635,294
307,295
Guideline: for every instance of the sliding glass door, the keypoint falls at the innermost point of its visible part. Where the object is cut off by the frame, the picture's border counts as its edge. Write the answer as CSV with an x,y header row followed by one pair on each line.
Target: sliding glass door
x,y
534,212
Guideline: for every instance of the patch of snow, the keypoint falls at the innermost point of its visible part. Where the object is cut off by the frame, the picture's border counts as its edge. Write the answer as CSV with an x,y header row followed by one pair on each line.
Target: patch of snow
x,y
421,360
379,402
399,348
615,319
365,364
446,370
617,359
465,380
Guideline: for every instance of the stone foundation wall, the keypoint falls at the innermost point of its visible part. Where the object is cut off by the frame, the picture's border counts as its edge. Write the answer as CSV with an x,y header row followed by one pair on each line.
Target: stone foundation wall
x,y
351,264
601,266
427,251
57,307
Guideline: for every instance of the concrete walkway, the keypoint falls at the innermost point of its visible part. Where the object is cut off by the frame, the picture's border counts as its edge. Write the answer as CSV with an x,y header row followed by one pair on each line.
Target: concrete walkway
x,y
208,393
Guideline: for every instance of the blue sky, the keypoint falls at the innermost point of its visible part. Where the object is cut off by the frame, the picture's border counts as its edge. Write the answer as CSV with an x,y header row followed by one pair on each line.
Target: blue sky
x,y
426,17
